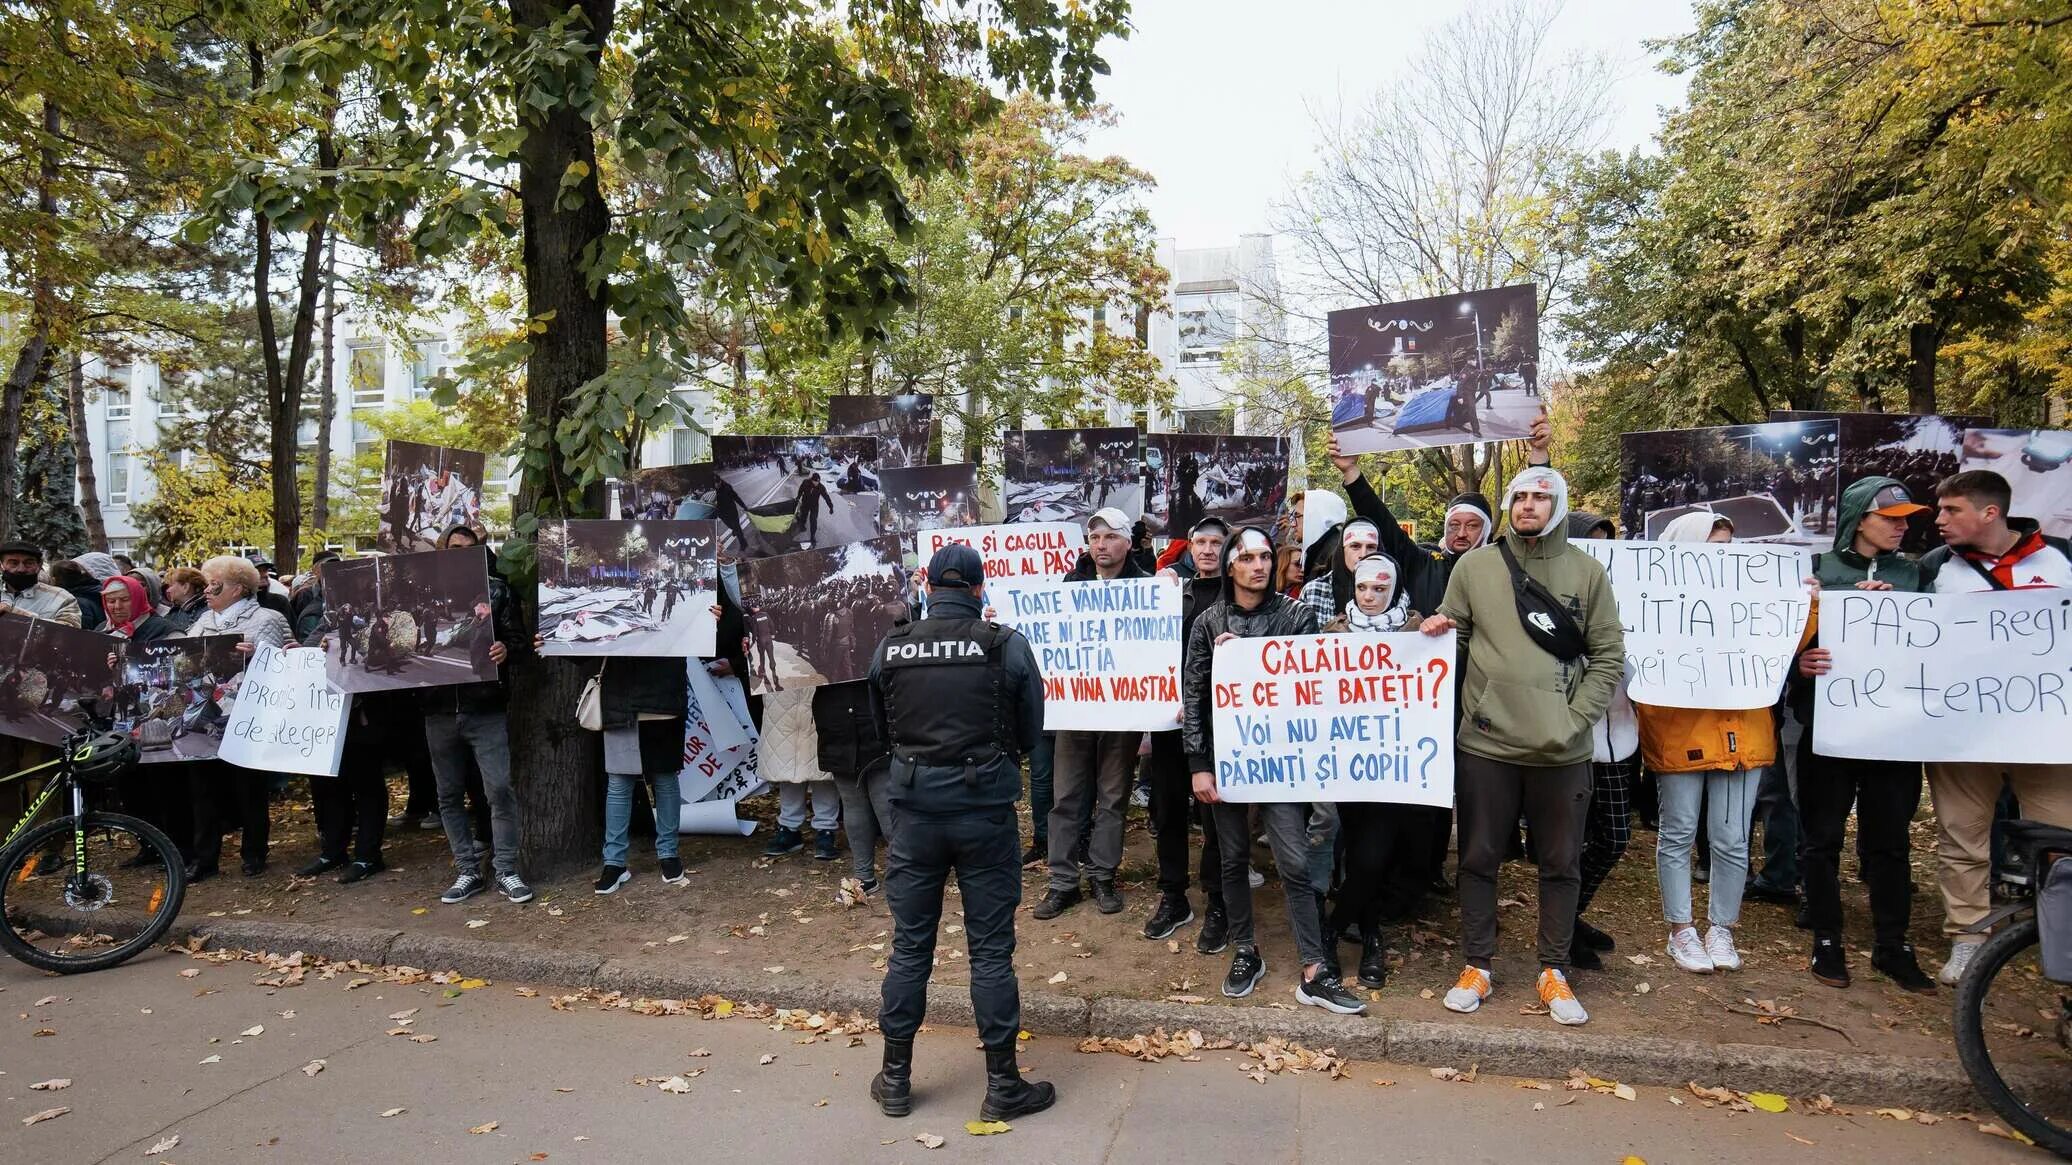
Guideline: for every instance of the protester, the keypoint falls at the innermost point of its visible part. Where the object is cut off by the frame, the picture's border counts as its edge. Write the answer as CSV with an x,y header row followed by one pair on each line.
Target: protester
x,y
1544,650
128,611
855,755
1872,521
23,592
230,589
1092,766
67,575
351,808
1714,759
1985,550
467,731
957,698
789,758
1173,808
1329,592
1377,835
183,596
1249,608
1614,751
644,703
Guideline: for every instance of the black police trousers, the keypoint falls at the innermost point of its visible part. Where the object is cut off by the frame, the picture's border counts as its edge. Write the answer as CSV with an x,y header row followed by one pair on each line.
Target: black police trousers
x,y
984,847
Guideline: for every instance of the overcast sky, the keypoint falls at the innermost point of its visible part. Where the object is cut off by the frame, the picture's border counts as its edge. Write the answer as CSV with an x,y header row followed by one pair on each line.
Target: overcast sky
x,y
1214,94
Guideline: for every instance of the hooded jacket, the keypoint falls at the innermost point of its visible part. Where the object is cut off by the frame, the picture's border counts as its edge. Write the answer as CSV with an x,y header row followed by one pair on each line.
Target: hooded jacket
x,y
1518,703
1696,740
1582,522
1843,566
1425,572
1276,614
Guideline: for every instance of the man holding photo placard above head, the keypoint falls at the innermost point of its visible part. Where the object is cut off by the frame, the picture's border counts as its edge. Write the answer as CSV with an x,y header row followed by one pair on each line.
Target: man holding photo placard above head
x,y
1985,550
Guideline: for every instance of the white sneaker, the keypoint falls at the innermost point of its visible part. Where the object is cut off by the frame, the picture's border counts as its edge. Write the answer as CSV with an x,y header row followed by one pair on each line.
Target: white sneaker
x,y
1256,878
1961,954
1560,1000
1474,986
1719,945
1689,951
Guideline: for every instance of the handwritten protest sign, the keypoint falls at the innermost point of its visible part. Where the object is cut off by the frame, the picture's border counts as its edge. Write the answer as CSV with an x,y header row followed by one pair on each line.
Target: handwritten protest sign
x,y
1335,718
1708,624
1028,550
288,717
1975,677
1109,650
715,739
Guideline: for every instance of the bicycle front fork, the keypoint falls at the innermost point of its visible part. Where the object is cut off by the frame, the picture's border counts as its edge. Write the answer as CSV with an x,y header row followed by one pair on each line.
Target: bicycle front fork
x,y
78,831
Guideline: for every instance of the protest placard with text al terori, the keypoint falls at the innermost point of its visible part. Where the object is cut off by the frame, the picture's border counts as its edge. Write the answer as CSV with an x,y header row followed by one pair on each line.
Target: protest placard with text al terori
x,y
1708,624
1974,677
288,716
1335,718
1109,650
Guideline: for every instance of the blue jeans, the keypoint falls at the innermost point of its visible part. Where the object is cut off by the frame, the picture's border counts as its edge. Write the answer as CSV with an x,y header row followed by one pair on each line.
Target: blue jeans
x,y
1040,796
618,814
1729,799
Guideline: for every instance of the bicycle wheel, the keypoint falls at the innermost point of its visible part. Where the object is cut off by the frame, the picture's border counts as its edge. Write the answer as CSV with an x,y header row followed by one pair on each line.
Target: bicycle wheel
x,y
2011,1027
65,897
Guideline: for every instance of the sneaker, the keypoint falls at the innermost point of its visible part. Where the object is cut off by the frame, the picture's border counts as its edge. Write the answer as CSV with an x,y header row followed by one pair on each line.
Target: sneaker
x,y
430,821
1214,936
1327,992
1594,938
1171,914
1246,969
1467,994
464,887
1719,944
1830,965
1961,954
1106,896
1036,856
672,871
319,866
1256,878
1561,1002
1762,892
514,887
1140,797
1701,873
611,878
1898,964
1055,902
1689,951
824,847
870,885
360,872
784,841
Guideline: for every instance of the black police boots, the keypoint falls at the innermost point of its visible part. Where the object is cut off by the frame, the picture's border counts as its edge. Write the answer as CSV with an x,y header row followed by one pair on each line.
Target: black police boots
x,y
1008,1095
891,1087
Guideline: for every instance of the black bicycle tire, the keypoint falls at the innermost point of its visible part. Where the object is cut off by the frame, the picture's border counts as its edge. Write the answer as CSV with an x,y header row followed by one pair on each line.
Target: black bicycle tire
x,y
1969,1023
99,960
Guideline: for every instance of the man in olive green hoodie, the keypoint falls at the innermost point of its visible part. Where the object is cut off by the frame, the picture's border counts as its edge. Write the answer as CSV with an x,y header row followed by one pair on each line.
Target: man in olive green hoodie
x,y
1524,733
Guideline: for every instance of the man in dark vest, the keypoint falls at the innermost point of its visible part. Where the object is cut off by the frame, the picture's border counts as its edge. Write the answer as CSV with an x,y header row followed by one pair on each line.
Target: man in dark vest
x,y
959,700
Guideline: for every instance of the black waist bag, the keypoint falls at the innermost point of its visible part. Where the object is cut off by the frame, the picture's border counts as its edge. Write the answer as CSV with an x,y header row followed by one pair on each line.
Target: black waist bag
x,y
1545,620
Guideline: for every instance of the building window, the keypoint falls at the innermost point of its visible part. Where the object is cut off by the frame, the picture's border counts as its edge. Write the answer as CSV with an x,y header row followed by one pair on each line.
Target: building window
x,y
1207,323
1212,422
366,449
688,447
1101,320
118,392
119,479
367,371
430,359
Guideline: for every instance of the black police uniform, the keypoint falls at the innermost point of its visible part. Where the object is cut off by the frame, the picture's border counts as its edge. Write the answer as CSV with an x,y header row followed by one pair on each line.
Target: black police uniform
x,y
959,700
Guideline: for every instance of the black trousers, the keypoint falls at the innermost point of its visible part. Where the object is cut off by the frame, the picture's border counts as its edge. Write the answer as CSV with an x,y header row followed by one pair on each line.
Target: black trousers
x,y
984,848
158,793
1173,810
1556,802
1384,860
352,807
224,794
1886,794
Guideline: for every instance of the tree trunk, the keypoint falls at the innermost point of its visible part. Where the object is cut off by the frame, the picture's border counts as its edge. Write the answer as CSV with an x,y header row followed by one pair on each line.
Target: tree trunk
x,y
1923,341
327,410
30,359
83,454
556,764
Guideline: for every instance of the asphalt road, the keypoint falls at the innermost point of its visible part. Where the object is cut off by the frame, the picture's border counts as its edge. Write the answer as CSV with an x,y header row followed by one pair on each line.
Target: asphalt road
x,y
1508,416
854,517
449,665
137,1043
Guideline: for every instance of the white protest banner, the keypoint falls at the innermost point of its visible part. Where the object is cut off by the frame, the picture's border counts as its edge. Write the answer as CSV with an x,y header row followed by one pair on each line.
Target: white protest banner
x,y
287,717
713,739
1335,718
1708,624
1044,550
1109,650
1974,677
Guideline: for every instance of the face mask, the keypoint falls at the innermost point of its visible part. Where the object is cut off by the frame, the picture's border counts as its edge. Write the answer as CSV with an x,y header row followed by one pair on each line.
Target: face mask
x,y
19,580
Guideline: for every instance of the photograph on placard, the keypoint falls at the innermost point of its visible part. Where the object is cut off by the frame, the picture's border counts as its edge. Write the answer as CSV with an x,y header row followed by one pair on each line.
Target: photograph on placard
x,y
1448,370
1919,451
1064,475
906,427
930,497
174,695
407,620
46,670
427,490
669,493
815,617
628,587
1777,482
2037,463
1195,476
776,495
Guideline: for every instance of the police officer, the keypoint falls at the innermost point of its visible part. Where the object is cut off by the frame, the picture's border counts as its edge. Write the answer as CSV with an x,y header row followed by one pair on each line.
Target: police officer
x,y
959,701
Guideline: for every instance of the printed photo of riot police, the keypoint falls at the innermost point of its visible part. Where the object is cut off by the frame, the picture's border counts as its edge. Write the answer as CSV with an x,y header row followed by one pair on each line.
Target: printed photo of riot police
x,y
815,617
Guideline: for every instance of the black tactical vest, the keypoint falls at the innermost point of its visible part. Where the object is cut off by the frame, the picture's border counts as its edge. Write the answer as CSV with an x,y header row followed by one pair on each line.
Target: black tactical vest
x,y
944,684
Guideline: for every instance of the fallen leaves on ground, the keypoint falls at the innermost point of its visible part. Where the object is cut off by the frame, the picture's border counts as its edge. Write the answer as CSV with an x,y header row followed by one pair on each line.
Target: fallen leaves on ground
x,y
389,1112
1769,1101
675,1084
1157,1046
313,1067
51,1085
190,972
1456,1076
768,1058
485,1127
527,992
1993,1130
36,1118
985,1128
255,1030
1058,978
477,923
929,1140
165,1146
212,1060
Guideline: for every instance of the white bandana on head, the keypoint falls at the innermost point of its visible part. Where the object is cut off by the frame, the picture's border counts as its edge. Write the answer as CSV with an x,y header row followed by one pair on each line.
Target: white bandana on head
x,y
1542,479
1321,510
1465,508
1395,608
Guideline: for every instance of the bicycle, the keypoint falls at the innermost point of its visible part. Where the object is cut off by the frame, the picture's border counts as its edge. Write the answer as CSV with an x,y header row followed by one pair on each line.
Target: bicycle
x,y
57,877
2031,952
